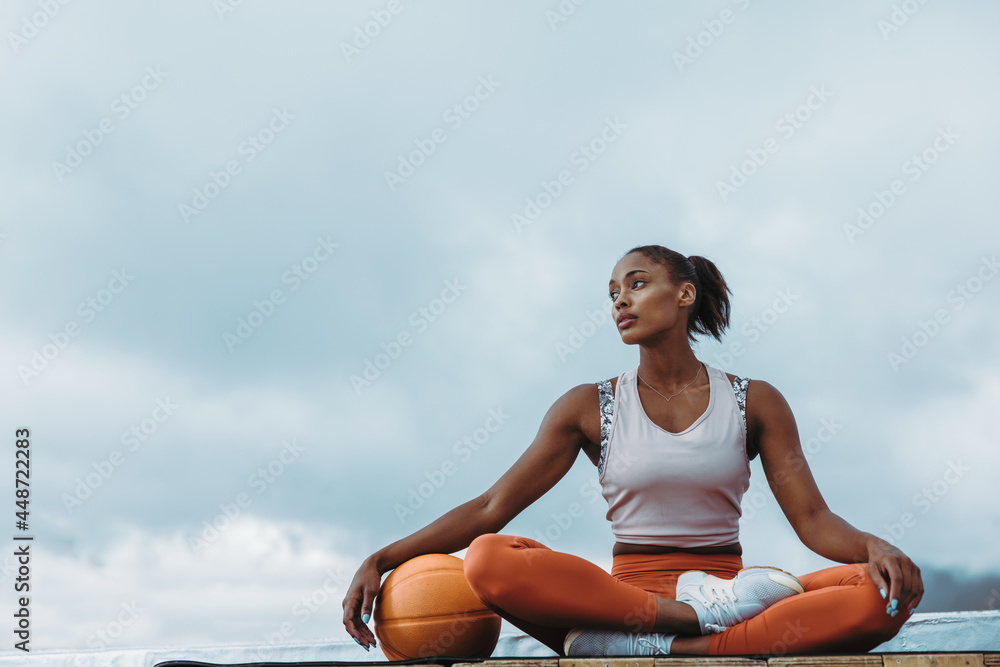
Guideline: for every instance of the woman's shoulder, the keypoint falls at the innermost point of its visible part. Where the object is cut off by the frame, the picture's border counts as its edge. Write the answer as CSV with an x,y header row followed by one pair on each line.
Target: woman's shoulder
x,y
582,404
762,400
612,383
762,389
733,377
579,409
614,380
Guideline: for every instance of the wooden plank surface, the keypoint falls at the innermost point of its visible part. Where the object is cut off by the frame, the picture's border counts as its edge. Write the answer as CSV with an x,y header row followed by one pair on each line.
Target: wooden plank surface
x,y
606,662
933,660
859,660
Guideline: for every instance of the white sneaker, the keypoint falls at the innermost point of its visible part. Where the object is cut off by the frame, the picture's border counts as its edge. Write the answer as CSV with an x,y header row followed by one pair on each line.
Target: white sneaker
x,y
722,603
595,642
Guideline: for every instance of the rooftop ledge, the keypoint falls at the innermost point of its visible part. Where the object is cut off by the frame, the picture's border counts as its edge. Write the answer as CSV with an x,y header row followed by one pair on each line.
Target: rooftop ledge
x,y
947,639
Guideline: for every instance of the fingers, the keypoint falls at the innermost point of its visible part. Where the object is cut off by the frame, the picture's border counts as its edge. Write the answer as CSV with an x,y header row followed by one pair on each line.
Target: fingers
x,y
906,588
354,622
358,604
886,575
366,612
366,608
896,577
895,586
916,588
350,604
876,576
910,586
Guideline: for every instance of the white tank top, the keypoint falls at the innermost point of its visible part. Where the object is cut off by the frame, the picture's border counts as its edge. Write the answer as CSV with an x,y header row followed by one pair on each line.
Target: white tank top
x,y
674,489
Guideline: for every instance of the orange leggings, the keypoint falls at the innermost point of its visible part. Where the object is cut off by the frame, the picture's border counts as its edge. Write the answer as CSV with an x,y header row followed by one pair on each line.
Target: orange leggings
x,y
546,593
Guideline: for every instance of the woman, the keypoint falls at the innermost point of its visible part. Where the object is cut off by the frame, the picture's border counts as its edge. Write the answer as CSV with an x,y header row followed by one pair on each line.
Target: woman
x,y
671,440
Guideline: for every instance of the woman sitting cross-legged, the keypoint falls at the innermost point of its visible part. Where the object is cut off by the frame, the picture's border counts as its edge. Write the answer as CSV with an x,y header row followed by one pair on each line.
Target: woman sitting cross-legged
x,y
672,440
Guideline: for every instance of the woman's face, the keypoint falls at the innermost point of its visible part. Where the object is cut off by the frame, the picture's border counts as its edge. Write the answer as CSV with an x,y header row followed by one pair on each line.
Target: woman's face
x,y
641,288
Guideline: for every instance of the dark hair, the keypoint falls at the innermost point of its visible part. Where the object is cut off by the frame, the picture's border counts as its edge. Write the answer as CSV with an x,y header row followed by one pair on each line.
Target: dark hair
x,y
710,311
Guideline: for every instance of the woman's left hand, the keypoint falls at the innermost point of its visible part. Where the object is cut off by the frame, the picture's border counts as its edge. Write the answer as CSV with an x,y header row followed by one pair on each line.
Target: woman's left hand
x,y
897,577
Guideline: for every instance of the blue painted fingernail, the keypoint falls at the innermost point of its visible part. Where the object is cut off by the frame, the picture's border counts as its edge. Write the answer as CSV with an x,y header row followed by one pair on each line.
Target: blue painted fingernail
x,y
364,619
894,603
894,612
882,591
357,640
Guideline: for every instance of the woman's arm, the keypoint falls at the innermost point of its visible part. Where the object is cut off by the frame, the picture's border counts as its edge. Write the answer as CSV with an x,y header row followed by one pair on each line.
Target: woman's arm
x,y
771,426
546,461
549,457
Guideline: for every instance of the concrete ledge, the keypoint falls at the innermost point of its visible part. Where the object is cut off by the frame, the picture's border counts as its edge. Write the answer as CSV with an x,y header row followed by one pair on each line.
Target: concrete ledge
x,y
947,631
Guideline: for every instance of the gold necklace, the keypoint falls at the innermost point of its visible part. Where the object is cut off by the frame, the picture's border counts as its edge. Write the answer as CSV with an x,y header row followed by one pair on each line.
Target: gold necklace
x,y
685,386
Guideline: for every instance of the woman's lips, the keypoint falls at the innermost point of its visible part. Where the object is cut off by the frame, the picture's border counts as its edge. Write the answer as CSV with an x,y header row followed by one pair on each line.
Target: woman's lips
x,y
625,321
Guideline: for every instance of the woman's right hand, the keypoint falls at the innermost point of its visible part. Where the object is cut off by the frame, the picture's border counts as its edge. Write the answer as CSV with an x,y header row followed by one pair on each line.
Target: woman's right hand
x,y
359,601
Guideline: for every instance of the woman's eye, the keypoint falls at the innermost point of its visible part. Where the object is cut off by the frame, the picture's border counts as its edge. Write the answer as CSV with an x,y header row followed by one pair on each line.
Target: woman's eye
x,y
637,280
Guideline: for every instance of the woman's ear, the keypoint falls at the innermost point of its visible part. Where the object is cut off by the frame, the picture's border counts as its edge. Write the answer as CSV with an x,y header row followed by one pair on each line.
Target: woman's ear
x,y
688,294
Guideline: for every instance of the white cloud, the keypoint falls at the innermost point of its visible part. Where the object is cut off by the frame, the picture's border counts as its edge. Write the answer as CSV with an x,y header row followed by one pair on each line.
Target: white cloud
x,y
257,575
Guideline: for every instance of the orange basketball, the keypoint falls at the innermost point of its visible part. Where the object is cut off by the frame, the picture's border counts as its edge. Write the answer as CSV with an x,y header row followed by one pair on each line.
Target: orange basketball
x,y
426,608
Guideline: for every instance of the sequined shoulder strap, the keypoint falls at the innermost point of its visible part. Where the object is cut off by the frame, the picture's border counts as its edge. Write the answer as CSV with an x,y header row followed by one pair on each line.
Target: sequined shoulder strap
x,y
740,389
607,409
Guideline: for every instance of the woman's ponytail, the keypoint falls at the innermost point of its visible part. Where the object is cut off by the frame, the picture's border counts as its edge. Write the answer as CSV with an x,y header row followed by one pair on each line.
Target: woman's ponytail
x,y
710,314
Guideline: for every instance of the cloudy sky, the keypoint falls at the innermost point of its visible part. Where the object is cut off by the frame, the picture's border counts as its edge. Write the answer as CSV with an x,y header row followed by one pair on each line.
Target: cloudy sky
x,y
265,268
